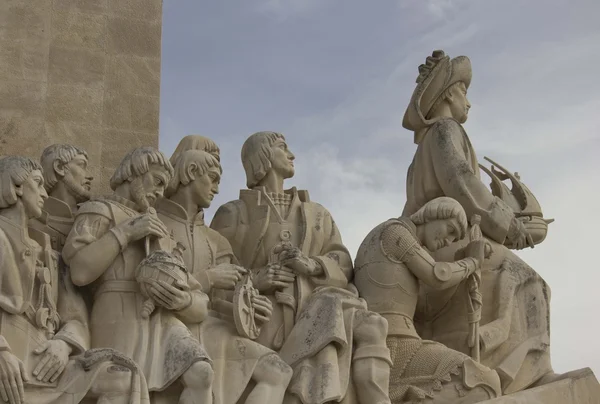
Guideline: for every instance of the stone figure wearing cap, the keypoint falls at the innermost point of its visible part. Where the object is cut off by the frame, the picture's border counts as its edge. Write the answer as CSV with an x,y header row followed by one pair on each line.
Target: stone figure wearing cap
x,y
514,331
391,265
110,238
295,252
237,361
44,337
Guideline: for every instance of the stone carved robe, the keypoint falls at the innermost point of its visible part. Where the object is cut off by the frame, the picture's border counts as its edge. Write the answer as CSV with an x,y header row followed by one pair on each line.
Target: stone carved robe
x,y
161,345
234,358
515,329
24,256
254,226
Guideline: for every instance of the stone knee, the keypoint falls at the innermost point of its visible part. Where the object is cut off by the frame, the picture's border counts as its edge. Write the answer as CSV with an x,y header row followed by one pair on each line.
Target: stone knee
x,y
112,380
274,371
198,376
371,330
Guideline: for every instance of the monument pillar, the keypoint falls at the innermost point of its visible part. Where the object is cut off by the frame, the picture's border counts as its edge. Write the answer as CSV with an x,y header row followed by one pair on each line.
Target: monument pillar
x,y
84,72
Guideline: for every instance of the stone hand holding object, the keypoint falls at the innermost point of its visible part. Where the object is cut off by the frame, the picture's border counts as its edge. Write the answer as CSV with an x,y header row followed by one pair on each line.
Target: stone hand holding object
x,y
144,225
12,376
169,296
478,249
293,258
518,235
225,276
53,361
272,277
263,308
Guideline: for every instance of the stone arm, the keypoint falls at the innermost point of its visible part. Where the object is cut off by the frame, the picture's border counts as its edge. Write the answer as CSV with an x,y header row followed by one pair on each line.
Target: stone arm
x,y
334,257
91,247
454,169
74,314
227,221
197,310
400,245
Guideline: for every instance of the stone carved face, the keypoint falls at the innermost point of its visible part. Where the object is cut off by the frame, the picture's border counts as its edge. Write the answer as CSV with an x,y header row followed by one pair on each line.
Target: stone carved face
x,y
459,104
33,194
147,188
77,178
206,186
282,160
440,233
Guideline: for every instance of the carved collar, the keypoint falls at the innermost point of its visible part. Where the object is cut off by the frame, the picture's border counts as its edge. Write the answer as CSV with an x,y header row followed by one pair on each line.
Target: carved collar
x,y
171,208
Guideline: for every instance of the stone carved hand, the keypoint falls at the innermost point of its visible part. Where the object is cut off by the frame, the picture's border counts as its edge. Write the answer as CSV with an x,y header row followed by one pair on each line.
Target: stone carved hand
x,y
168,296
54,360
263,308
518,235
12,376
272,277
294,259
478,249
225,276
142,226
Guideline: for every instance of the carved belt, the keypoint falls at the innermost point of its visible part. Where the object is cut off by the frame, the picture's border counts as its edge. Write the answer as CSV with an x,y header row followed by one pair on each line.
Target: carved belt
x,y
118,286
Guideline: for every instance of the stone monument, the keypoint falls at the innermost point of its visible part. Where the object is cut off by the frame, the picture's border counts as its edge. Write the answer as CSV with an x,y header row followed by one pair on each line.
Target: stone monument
x,y
84,72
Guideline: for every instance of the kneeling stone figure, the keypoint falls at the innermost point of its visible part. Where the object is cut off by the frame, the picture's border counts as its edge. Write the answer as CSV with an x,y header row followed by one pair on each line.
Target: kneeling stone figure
x,y
390,264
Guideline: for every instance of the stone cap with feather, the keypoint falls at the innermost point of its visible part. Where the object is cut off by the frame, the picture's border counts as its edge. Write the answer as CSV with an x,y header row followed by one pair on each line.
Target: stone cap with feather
x,y
435,76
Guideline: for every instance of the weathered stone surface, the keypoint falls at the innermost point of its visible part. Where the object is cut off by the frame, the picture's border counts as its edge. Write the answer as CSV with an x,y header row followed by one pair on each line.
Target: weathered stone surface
x,y
25,97
131,112
23,60
73,29
148,10
76,67
74,104
82,6
133,37
25,20
581,388
73,71
133,74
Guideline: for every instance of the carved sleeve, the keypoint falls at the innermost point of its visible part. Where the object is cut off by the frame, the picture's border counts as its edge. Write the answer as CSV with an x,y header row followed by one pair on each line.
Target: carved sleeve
x,y
334,257
438,275
454,169
226,222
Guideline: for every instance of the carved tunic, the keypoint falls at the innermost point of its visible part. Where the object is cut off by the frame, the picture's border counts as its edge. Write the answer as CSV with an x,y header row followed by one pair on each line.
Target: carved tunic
x,y
37,304
326,309
515,332
234,358
162,346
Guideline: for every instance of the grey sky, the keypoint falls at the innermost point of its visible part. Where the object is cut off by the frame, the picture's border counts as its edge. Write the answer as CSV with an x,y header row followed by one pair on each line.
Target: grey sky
x,y
335,77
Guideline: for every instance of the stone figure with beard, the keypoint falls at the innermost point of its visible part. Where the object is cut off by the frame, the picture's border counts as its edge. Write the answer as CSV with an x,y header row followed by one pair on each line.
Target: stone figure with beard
x,y
104,249
68,182
44,335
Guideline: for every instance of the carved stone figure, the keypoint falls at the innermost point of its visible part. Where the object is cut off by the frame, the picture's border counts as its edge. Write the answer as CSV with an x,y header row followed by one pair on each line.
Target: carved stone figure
x,y
110,238
390,265
514,327
294,249
67,180
196,142
209,258
43,321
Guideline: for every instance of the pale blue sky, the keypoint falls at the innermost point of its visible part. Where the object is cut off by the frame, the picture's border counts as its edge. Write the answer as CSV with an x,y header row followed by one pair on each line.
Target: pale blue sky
x,y
335,77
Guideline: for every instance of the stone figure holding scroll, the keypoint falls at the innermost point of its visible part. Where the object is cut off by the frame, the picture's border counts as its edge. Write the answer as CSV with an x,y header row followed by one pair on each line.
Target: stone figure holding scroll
x,y
391,264
44,336
293,247
514,328
208,256
108,242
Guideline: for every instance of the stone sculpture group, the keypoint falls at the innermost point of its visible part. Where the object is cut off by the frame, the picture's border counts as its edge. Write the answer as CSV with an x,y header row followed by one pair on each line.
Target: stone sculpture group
x,y
131,298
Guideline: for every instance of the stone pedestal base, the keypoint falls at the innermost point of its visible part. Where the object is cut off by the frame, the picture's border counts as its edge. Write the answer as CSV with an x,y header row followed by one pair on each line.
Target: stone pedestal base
x,y
581,387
